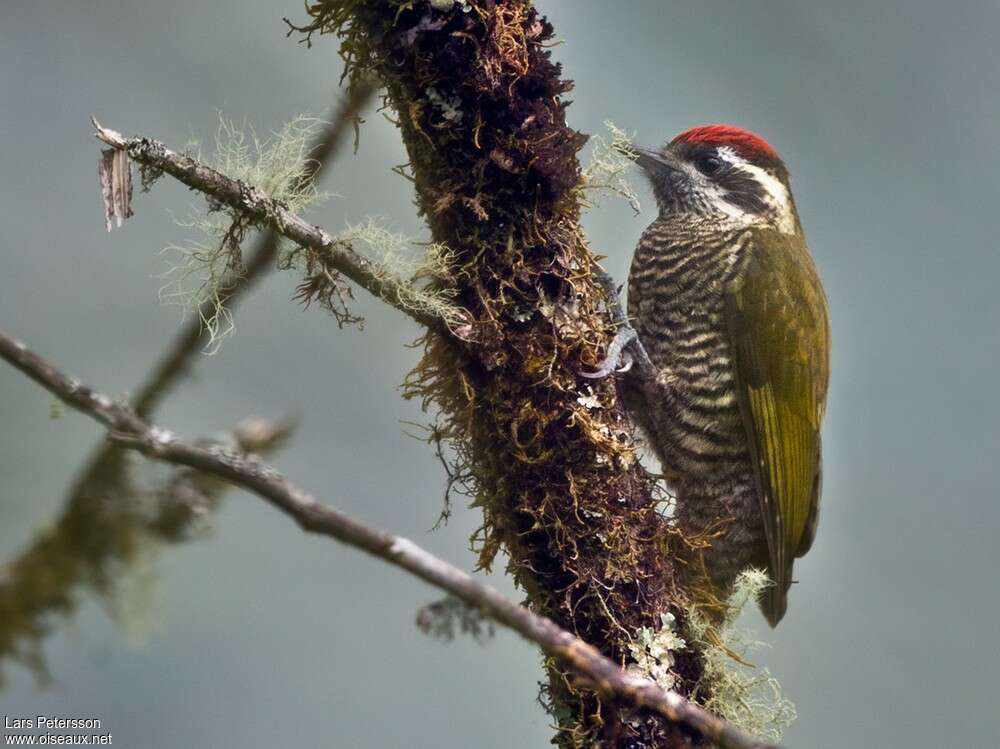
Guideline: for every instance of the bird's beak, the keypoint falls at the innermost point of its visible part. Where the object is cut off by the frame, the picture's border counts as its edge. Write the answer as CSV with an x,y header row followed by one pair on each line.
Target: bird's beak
x,y
653,161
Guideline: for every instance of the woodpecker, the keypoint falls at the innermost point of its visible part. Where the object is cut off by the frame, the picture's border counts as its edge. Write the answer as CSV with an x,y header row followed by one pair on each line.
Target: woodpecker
x,y
726,301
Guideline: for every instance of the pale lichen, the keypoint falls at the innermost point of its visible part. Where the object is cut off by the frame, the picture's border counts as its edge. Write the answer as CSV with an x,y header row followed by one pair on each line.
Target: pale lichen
x,y
446,5
394,255
450,107
203,269
653,652
607,170
743,694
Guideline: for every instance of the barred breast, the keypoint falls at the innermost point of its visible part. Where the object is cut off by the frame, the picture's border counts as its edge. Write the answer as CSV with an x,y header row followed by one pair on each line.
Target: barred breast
x,y
676,301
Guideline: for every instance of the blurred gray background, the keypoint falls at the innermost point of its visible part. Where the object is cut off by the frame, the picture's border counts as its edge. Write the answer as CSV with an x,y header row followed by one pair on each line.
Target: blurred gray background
x,y
887,115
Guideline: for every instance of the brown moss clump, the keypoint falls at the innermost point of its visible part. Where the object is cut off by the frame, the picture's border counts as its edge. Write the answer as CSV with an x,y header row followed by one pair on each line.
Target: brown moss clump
x,y
550,460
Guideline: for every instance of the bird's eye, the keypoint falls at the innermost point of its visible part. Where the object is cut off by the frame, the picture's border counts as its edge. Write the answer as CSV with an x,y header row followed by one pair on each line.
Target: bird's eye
x,y
708,164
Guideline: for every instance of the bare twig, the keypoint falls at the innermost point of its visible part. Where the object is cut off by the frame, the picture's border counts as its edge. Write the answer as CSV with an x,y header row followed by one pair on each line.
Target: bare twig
x,y
336,254
245,470
44,578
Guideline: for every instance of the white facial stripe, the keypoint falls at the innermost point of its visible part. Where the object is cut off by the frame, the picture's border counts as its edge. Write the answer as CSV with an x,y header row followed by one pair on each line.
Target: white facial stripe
x,y
733,211
777,196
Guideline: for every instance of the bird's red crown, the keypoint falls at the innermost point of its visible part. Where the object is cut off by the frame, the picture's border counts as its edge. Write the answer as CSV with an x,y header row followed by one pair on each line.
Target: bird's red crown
x,y
742,141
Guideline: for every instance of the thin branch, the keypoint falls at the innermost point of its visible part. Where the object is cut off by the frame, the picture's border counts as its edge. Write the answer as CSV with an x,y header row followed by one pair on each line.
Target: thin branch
x,y
101,502
251,202
247,471
262,258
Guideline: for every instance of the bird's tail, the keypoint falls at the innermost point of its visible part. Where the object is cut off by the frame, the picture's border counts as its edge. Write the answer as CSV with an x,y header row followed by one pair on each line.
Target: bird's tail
x,y
774,603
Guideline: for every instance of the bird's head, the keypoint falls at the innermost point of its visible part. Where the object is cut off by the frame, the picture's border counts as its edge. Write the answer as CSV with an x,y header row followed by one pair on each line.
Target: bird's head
x,y
721,172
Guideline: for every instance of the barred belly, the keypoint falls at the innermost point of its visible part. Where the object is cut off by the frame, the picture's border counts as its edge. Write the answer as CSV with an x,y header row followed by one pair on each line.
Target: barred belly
x,y
676,301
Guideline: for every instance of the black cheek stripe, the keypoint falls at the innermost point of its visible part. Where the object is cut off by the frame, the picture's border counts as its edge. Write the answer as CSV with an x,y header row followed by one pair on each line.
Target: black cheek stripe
x,y
744,192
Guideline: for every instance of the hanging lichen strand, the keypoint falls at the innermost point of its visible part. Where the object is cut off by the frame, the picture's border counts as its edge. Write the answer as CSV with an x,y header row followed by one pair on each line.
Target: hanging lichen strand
x,y
550,460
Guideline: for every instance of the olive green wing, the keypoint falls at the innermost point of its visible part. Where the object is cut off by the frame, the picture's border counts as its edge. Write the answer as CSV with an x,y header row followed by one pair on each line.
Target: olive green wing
x,y
778,327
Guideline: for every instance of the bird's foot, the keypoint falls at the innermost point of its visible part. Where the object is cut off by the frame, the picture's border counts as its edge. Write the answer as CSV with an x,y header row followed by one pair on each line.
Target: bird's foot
x,y
625,349
618,359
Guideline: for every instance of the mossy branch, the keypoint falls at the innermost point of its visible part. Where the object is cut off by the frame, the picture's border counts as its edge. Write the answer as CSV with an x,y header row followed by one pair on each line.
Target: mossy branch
x,y
549,457
328,251
176,360
246,470
44,581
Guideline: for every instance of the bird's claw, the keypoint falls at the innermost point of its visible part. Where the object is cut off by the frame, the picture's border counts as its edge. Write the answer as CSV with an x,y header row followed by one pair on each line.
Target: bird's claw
x,y
617,360
608,368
